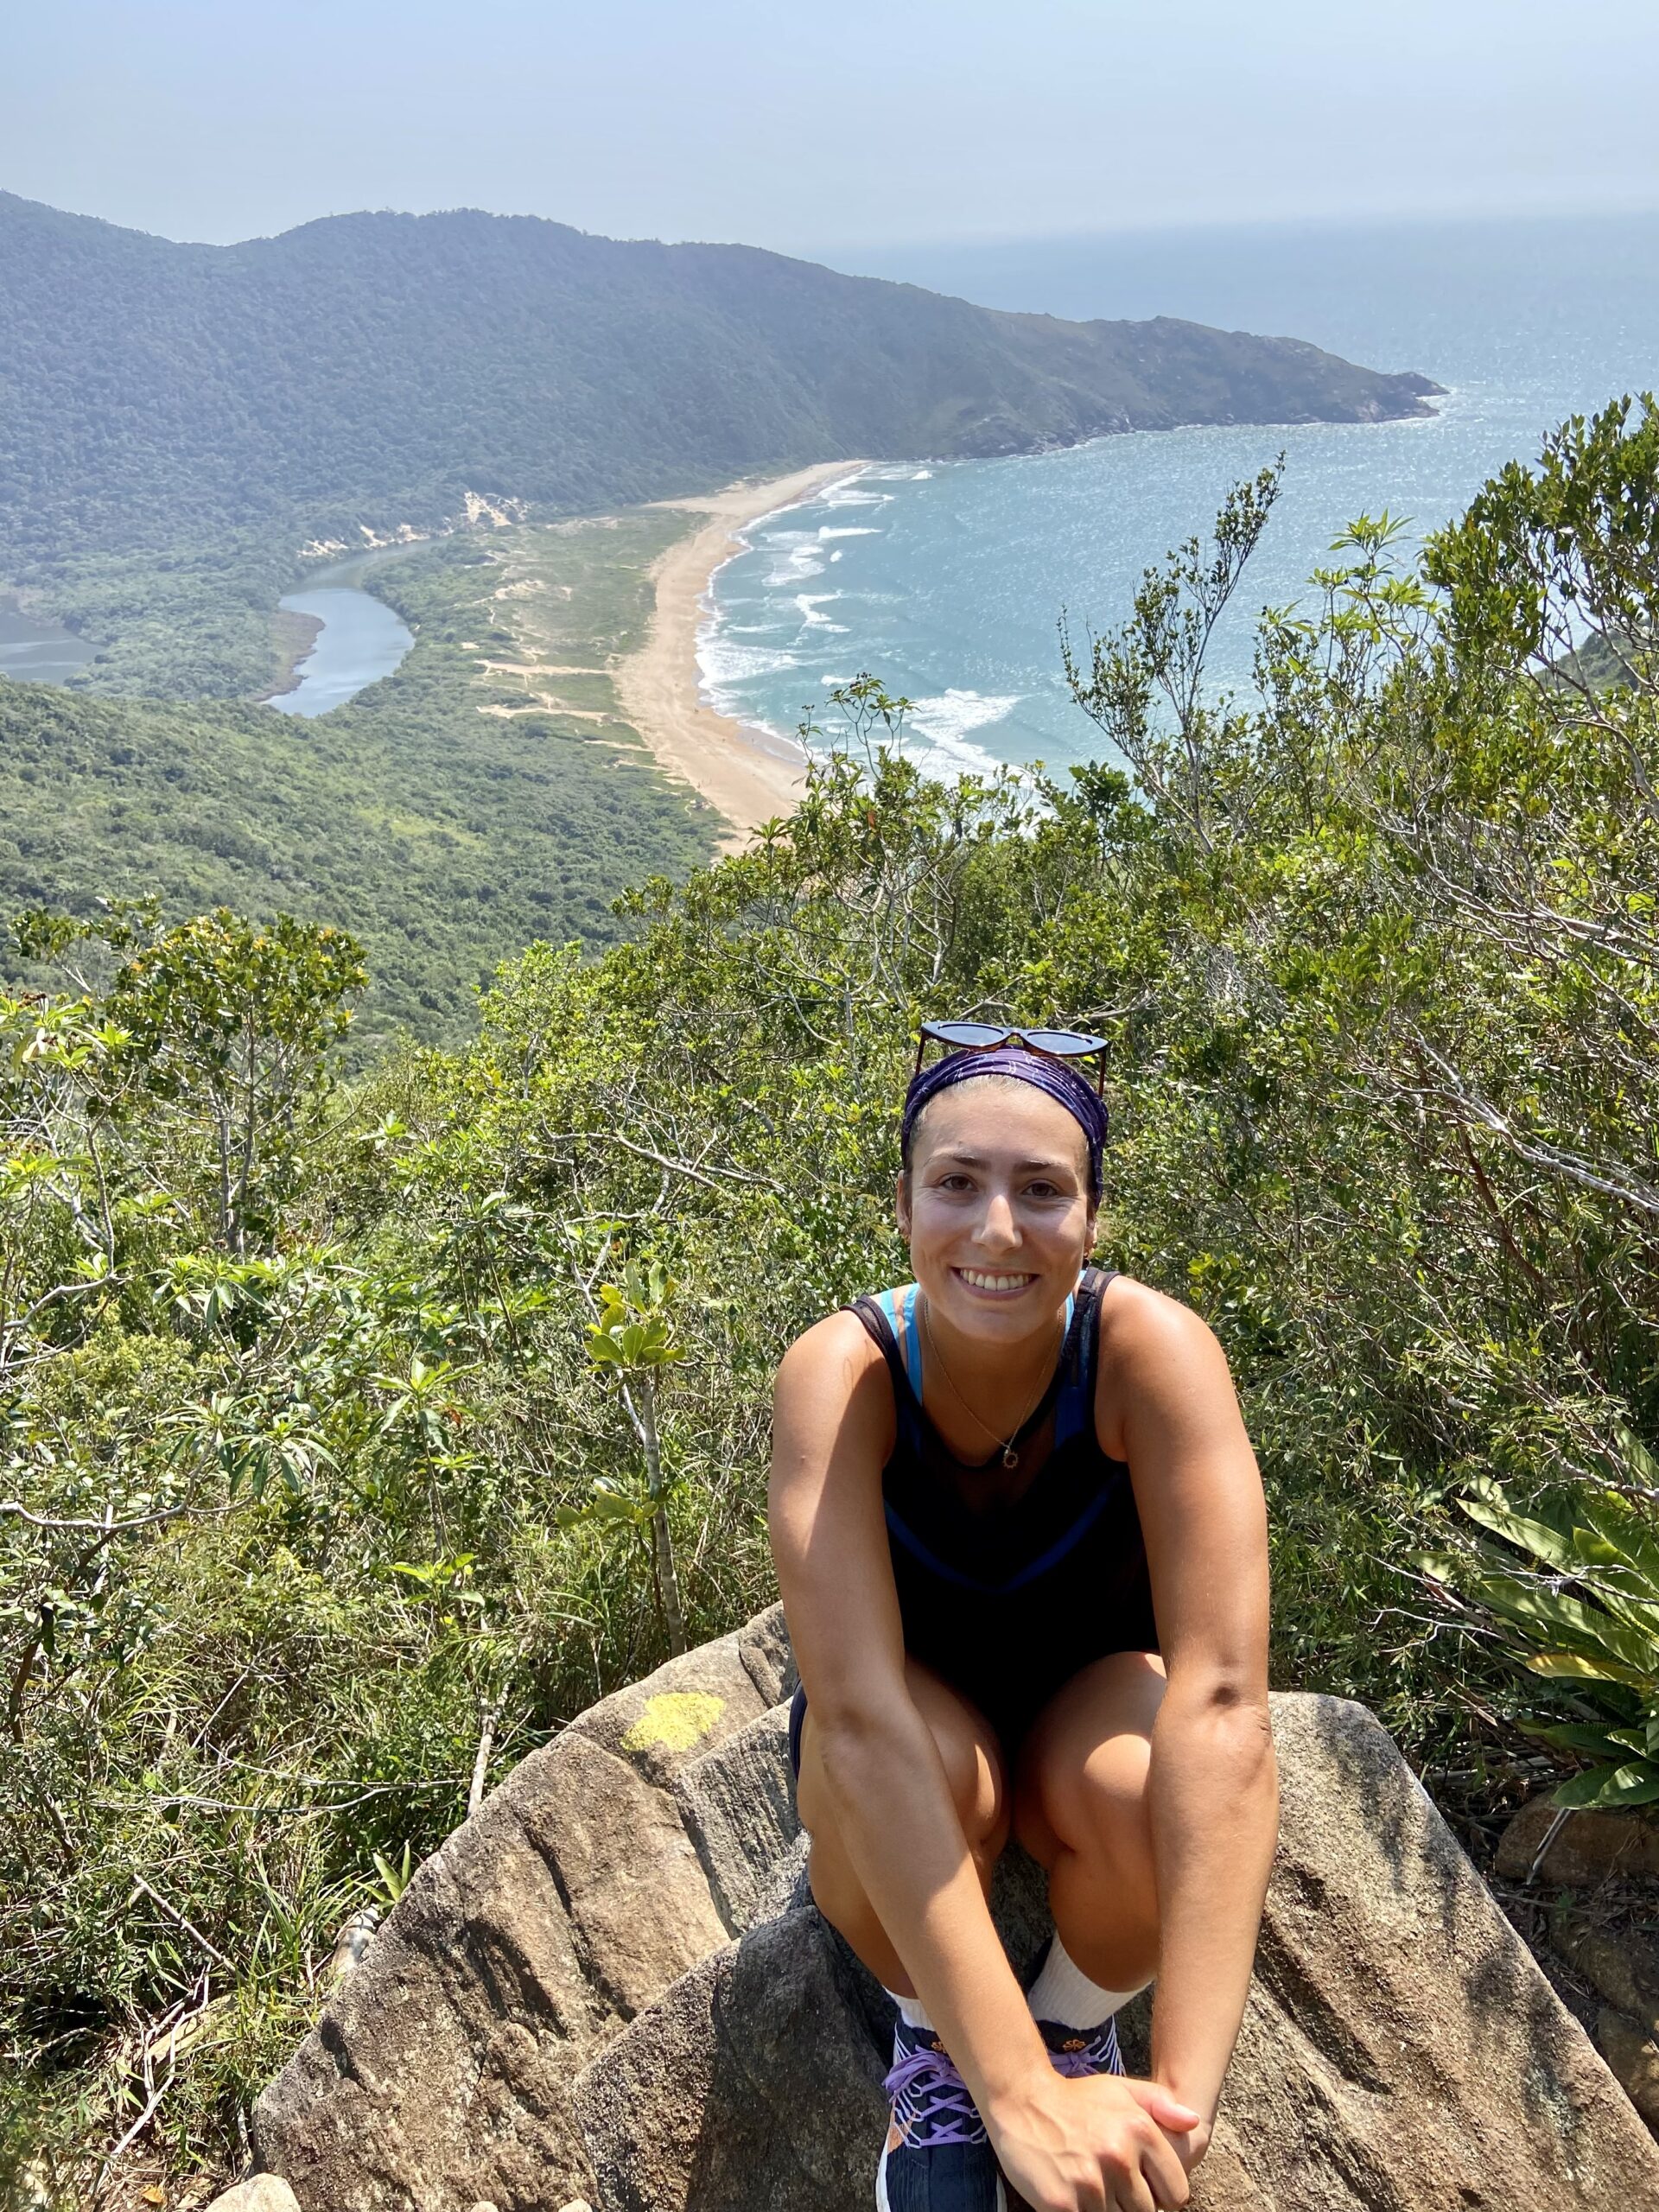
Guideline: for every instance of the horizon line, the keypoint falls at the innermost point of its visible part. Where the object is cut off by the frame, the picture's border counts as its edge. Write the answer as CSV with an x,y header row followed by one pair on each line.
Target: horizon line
x,y
1481,218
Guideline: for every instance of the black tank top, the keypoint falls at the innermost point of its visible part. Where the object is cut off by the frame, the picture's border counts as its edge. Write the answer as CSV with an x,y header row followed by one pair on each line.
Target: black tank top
x,y
1010,1583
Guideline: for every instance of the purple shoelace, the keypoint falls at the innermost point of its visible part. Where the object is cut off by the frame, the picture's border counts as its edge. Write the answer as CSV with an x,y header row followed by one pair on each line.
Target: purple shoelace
x,y
930,2101
1095,2053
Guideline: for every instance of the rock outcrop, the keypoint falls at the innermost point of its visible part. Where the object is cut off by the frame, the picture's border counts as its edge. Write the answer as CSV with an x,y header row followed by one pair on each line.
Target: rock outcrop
x,y
610,1986
443,2074
1576,1850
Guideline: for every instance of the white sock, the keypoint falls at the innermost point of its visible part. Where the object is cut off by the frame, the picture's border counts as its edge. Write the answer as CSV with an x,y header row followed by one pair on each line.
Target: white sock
x,y
912,2011
1064,1995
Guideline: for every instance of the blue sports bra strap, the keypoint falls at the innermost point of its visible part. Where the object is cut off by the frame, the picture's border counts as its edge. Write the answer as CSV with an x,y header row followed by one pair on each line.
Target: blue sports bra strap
x,y
880,1318
911,1338
899,1311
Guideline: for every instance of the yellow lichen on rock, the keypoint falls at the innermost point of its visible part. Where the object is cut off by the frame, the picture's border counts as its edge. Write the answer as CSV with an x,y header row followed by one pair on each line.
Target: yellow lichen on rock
x,y
674,1721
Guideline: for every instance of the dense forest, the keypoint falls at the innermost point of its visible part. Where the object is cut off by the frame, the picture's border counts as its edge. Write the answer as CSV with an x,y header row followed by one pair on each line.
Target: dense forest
x,y
374,369
325,1497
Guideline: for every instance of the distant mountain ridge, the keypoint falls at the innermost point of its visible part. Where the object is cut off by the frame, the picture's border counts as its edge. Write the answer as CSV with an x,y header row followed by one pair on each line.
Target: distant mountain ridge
x,y
374,369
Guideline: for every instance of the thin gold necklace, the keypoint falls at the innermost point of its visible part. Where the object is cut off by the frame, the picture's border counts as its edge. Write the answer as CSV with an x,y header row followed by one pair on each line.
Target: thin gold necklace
x,y
1004,1444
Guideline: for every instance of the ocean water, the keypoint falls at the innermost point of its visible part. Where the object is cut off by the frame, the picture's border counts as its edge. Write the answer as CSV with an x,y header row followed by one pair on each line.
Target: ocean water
x,y
947,579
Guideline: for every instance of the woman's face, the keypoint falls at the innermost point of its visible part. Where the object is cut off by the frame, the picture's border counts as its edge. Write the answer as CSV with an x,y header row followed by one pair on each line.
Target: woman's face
x,y
997,1209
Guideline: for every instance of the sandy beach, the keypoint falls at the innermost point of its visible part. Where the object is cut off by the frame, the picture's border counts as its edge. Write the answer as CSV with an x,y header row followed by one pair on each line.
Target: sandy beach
x,y
656,688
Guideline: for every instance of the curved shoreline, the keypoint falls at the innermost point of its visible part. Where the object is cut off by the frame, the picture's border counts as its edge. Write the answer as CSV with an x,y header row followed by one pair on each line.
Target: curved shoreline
x,y
745,776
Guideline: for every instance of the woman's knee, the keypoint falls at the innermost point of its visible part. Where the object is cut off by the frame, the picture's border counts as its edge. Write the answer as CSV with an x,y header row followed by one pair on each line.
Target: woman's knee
x,y
971,1755
1098,1803
1084,1769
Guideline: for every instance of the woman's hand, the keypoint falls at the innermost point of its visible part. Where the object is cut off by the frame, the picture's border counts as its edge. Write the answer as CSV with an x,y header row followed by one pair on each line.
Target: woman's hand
x,y
1105,2144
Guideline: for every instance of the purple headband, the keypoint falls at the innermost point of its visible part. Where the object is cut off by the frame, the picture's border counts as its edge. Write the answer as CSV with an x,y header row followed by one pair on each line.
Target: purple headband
x,y
1051,1077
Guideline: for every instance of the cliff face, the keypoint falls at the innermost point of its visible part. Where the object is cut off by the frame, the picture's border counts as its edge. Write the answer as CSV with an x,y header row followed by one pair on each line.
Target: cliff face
x,y
610,1987
376,369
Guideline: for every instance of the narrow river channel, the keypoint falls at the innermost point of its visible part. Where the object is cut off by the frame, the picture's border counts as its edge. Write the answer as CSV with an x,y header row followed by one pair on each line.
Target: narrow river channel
x,y
361,640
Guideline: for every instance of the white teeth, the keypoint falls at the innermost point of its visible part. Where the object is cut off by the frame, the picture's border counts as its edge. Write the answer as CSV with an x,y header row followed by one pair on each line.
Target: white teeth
x,y
993,1282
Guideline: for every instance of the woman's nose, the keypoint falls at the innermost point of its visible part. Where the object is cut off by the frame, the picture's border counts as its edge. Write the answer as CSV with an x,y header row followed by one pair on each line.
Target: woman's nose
x,y
997,1225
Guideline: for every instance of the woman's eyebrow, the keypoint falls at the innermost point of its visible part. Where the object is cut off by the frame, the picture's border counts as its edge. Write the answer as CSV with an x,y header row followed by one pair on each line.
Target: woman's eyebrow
x,y
961,1158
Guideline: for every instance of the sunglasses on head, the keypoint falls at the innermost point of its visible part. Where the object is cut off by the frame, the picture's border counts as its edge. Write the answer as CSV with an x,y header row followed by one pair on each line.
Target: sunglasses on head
x,y
983,1036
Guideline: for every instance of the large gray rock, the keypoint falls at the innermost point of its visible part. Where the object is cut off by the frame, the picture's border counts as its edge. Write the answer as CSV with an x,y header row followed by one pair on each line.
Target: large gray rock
x,y
440,2074
556,2009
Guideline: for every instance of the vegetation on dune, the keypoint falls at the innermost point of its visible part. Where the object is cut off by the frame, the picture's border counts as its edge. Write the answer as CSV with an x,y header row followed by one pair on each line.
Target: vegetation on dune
x,y
324,1499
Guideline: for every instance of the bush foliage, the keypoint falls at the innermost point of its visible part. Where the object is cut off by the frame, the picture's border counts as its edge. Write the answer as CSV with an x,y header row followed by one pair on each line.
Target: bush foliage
x,y
321,1507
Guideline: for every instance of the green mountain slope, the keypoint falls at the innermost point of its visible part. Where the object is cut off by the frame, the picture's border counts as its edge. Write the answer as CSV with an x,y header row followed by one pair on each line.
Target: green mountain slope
x,y
376,368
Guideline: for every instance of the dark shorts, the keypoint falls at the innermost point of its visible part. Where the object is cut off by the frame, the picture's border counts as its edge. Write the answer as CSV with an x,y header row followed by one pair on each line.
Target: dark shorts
x,y
1010,1726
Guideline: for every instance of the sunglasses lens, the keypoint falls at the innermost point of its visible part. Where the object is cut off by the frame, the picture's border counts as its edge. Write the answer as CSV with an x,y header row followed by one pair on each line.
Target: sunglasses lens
x,y
1065,1043
966,1032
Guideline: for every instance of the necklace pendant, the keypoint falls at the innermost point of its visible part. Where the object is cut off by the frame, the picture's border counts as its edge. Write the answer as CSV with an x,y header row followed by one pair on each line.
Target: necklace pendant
x,y
1010,1457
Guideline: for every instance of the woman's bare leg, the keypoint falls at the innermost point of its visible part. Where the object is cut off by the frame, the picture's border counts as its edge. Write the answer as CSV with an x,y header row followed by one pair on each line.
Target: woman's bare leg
x,y
973,1766
1080,1809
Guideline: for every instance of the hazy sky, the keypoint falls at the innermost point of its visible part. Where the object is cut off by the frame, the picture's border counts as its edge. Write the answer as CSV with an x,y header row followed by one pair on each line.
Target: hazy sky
x,y
807,124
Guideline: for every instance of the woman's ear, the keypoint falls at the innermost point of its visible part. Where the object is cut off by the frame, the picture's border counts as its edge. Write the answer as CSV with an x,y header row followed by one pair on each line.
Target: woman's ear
x,y
901,1201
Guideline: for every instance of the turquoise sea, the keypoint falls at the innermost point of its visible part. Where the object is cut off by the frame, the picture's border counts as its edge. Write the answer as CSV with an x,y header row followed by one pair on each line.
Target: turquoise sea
x,y
947,579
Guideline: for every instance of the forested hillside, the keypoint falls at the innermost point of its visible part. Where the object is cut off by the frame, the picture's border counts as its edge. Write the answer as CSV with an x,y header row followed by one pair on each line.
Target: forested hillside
x,y
322,1505
444,815
373,369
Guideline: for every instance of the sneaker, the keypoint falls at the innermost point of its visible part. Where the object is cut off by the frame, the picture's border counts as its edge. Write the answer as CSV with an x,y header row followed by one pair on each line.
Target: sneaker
x,y
937,2156
1077,2051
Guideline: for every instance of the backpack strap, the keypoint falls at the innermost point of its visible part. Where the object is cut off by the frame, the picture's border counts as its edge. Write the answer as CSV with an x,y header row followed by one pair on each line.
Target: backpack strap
x,y
886,1318
1074,1406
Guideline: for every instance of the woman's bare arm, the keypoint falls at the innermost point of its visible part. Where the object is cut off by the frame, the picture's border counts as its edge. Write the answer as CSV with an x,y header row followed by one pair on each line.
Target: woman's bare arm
x,y
832,1433
1213,1788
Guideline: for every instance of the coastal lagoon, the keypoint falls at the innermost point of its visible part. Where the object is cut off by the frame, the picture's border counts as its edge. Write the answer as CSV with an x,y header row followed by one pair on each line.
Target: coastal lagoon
x,y
361,639
947,579
35,650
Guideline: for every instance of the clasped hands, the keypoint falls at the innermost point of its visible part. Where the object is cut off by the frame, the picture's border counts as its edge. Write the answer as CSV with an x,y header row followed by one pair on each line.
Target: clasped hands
x,y
1107,2143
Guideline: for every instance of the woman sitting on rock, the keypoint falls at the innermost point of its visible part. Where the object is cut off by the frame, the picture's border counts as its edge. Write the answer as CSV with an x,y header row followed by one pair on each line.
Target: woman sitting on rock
x,y
1022,1546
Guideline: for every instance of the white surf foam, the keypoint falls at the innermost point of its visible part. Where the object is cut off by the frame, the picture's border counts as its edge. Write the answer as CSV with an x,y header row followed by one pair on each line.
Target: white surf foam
x,y
810,601
936,729
725,662
797,554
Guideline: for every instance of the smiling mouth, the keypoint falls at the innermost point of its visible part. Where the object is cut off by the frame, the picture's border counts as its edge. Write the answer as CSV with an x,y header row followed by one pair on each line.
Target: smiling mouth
x,y
982,1279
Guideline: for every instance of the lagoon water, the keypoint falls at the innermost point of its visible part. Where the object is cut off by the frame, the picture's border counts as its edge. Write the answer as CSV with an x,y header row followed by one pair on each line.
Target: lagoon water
x,y
34,649
360,641
947,579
